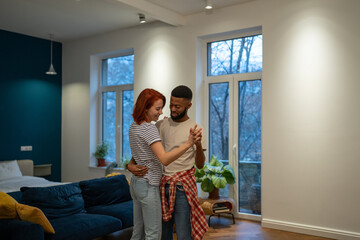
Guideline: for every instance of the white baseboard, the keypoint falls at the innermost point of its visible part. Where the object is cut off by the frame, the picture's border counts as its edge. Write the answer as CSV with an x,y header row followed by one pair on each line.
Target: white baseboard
x,y
310,230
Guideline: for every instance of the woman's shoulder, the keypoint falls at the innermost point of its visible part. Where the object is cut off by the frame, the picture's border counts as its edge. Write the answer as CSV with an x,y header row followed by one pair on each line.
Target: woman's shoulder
x,y
147,126
141,127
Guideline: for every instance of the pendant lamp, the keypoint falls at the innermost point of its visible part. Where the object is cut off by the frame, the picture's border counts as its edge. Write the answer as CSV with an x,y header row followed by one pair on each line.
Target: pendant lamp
x,y
51,69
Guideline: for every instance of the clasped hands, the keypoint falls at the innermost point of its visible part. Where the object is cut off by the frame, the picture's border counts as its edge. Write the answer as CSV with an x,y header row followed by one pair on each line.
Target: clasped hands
x,y
195,135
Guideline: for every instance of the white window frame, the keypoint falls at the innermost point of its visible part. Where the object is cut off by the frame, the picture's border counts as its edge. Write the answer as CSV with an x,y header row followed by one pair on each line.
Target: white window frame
x,y
232,79
118,89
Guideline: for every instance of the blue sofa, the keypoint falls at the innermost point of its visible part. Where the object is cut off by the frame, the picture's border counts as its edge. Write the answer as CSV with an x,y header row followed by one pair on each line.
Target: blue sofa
x,y
81,211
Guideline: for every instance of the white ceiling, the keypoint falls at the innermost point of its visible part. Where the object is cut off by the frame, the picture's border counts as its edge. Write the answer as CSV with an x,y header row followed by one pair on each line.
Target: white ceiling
x,y
73,19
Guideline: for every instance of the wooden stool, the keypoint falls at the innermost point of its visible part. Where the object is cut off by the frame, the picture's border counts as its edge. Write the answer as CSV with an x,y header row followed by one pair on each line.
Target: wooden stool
x,y
216,207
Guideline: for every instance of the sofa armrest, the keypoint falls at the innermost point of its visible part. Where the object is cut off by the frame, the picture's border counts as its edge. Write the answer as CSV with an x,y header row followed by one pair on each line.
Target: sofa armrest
x,y
15,229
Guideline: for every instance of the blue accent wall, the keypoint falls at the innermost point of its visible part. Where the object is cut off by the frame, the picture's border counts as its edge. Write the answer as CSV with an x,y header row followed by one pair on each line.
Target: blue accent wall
x,y
30,100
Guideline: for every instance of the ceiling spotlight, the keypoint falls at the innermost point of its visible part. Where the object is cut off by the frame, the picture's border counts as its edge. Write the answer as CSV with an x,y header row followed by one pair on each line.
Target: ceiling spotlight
x,y
208,4
142,18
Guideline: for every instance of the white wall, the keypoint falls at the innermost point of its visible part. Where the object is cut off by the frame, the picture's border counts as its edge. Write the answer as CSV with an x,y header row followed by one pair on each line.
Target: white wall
x,y
310,123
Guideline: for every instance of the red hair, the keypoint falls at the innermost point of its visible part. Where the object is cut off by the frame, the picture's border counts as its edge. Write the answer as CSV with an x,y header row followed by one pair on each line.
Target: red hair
x,y
144,102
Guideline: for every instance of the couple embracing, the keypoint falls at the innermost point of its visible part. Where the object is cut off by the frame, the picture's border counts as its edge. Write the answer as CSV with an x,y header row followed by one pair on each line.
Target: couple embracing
x,y
163,184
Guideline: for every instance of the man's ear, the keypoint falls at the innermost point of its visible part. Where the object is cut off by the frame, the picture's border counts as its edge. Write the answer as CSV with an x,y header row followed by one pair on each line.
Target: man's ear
x,y
189,105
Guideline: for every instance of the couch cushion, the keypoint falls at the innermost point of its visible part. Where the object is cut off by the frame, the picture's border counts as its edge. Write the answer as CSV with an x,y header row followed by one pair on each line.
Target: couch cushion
x,y
123,211
57,201
105,191
84,226
16,195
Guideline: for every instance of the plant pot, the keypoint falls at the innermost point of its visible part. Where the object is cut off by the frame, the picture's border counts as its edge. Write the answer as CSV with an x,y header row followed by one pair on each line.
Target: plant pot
x,y
101,162
214,194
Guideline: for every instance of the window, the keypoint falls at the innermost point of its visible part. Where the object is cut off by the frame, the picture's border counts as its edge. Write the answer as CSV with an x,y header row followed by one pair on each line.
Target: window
x,y
233,77
239,55
117,100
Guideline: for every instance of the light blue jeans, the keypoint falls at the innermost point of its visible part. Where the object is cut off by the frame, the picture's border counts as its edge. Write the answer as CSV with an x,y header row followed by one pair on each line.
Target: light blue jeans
x,y
147,210
181,217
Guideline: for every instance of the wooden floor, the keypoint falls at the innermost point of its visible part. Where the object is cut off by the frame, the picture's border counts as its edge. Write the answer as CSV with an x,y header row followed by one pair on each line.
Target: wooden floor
x,y
223,229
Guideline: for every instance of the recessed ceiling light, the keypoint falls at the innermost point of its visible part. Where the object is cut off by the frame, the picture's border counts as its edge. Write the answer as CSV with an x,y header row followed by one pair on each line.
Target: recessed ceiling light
x,y
208,4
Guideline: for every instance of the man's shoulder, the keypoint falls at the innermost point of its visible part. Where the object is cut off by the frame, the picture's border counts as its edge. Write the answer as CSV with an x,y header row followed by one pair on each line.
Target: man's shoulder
x,y
192,123
161,122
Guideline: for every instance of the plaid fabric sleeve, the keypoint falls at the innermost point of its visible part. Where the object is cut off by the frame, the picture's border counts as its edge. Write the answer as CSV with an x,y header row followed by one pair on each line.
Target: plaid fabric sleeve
x,y
199,225
167,208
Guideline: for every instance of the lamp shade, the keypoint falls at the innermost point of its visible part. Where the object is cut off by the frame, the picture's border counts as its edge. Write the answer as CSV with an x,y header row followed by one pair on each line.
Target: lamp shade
x,y
51,70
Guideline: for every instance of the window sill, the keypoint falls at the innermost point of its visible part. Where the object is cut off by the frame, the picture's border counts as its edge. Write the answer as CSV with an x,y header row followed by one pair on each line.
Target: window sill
x,y
104,168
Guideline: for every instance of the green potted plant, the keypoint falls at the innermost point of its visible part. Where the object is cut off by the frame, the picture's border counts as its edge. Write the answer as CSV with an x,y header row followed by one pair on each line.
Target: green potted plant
x,y
214,175
101,152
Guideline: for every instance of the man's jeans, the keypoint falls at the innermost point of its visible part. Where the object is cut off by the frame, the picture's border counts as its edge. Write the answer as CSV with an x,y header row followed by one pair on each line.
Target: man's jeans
x,y
181,217
147,210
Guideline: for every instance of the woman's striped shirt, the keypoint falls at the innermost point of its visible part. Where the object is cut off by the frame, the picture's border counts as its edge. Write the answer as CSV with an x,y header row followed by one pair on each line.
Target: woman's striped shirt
x,y
141,137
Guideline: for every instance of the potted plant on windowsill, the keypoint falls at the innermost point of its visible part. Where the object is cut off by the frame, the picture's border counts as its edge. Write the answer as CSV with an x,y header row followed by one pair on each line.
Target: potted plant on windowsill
x,y
214,175
101,152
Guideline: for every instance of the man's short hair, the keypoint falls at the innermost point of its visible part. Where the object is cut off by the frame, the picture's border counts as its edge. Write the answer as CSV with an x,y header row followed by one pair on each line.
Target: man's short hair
x,y
182,92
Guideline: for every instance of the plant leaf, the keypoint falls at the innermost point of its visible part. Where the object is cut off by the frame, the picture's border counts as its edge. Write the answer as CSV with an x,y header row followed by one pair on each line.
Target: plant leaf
x,y
219,182
215,162
200,173
230,178
229,174
214,169
207,185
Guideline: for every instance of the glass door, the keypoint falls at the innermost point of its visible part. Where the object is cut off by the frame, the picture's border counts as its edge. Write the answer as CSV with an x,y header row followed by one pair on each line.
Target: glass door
x,y
247,145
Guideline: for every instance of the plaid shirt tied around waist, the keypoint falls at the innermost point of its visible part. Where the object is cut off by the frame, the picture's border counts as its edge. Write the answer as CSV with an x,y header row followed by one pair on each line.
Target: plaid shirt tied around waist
x,y
198,221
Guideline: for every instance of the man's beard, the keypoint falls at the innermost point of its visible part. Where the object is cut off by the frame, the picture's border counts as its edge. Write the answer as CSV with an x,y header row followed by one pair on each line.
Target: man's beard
x,y
180,116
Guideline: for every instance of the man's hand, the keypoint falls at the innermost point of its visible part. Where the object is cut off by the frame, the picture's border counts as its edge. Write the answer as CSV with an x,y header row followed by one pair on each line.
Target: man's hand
x,y
137,170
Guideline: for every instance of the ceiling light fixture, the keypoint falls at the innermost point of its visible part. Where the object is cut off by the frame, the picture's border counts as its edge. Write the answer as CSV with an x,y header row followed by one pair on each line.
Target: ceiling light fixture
x,y
142,18
208,4
51,69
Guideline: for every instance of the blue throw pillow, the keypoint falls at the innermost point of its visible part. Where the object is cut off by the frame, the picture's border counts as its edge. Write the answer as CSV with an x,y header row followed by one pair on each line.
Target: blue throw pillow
x,y
56,201
105,191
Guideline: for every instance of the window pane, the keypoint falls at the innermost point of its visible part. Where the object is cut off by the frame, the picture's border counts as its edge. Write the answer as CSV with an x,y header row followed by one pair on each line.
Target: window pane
x,y
109,122
219,121
219,125
249,155
118,70
232,56
127,107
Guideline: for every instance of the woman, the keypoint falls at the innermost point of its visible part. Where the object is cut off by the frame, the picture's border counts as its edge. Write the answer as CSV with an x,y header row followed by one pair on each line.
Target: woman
x,y
147,150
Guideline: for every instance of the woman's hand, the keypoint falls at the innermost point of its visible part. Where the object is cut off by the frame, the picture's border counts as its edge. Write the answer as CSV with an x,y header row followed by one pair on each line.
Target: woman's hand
x,y
195,135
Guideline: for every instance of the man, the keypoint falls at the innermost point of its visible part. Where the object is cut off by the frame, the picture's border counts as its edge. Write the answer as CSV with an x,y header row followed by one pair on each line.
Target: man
x,y
178,189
